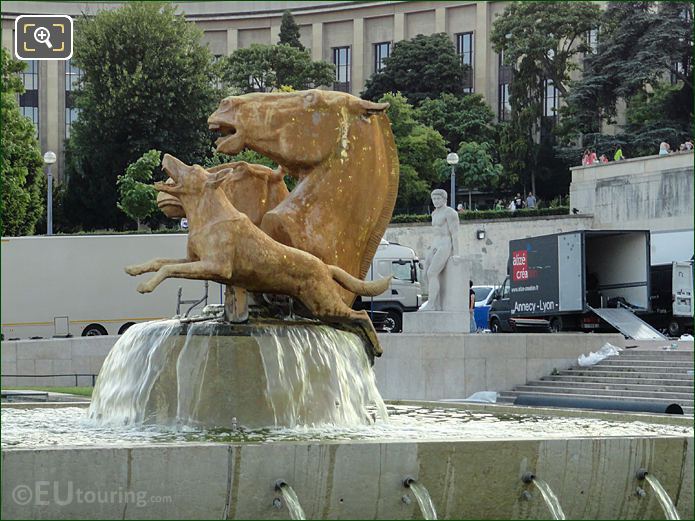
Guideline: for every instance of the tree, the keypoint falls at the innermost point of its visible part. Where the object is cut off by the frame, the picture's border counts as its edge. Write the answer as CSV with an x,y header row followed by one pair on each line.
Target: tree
x,y
138,198
23,183
475,168
541,42
459,118
419,68
269,67
641,47
146,83
419,146
289,31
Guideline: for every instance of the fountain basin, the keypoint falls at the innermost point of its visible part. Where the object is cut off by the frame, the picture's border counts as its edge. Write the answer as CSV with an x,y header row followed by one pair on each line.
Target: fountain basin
x,y
218,375
594,477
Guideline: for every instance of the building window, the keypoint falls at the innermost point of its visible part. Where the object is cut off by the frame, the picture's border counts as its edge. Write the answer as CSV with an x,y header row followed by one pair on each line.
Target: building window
x,y
29,101
677,71
73,75
341,60
551,98
504,107
464,48
592,41
217,81
381,51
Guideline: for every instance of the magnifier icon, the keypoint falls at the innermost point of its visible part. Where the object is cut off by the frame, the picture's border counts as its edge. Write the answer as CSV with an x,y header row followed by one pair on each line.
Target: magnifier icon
x,y
42,35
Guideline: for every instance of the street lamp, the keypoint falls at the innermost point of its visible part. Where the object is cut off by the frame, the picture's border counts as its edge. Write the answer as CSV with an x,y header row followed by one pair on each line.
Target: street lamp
x,y
453,160
49,158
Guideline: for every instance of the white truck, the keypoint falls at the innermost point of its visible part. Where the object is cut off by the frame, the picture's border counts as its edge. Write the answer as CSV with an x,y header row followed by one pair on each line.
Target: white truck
x,y
75,285
72,285
404,294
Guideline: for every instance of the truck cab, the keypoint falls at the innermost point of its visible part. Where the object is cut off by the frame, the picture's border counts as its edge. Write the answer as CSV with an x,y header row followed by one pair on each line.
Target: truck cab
x,y
404,293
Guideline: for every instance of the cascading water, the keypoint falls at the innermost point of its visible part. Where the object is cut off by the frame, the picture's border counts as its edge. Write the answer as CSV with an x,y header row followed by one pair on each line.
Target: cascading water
x,y
291,500
550,498
269,374
423,499
301,363
664,499
129,372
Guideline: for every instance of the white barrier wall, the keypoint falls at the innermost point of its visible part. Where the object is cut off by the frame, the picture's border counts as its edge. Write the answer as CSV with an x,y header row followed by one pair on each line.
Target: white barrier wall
x,y
413,367
79,355
648,193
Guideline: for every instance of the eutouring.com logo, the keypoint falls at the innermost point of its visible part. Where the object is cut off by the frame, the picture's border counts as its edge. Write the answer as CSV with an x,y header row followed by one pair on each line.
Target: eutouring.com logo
x,y
63,493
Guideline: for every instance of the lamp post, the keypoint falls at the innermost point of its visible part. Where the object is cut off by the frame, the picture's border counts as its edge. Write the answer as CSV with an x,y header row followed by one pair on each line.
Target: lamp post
x,y
453,160
49,158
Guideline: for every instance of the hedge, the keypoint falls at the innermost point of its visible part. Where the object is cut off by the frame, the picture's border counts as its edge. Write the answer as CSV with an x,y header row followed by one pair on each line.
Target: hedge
x,y
486,214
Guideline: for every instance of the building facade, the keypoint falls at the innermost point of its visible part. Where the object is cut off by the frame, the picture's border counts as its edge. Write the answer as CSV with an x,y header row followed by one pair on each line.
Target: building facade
x,y
355,36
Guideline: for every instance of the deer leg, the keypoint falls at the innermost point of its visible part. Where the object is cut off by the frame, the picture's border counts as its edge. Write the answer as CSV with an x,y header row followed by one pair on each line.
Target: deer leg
x,y
199,270
152,265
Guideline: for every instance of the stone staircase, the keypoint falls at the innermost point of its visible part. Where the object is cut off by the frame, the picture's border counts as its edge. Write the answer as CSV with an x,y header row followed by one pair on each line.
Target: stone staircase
x,y
635,375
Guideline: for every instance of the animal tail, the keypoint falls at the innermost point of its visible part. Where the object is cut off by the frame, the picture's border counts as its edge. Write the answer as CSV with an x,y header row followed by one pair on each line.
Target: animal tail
x,y
360,287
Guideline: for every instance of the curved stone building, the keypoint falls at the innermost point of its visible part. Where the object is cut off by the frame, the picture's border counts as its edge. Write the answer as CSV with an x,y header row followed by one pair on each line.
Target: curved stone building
x,y
355,36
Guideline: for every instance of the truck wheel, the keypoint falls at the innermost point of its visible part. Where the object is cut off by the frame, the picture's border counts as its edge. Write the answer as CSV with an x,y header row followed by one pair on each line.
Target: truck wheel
x,y
94,330
125,327
674,328
393,322
495,326
555,325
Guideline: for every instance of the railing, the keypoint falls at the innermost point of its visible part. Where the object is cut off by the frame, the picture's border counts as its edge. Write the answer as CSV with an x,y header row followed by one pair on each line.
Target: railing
x,y
93,377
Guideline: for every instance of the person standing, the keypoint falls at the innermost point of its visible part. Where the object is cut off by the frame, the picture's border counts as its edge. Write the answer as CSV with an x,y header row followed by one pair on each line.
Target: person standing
x,y
530,200
618,156
518,202
471,307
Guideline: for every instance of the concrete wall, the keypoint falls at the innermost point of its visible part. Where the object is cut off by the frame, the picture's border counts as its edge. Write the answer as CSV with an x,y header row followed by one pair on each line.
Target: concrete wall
x,y
413,367
649,193
435,367
487,258
593,478
53,356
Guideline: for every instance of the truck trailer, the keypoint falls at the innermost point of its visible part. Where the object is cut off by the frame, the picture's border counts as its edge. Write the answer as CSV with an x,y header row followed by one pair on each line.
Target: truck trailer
x,y
583,280
75,285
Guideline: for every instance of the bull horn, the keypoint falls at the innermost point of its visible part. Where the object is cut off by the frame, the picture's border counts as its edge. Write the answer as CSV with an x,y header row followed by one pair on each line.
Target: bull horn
x,y
371,108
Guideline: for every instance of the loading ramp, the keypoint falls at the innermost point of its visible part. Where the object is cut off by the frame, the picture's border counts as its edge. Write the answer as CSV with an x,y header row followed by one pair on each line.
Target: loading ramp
x,y
629,324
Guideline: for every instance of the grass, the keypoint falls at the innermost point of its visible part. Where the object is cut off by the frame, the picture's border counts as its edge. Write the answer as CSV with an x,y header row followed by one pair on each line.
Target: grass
x,y
82,391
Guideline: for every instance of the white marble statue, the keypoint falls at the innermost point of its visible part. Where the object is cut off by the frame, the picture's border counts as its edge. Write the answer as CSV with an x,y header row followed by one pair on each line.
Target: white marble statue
x,y
445,245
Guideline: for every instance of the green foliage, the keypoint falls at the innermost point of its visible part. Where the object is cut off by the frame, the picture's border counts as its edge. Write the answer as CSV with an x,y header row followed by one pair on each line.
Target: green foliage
x,y
250,156
272,66
419,146
419,68
476,168
485,214
540,41
639,46
23,182
147,82
289,31
138,198
460,118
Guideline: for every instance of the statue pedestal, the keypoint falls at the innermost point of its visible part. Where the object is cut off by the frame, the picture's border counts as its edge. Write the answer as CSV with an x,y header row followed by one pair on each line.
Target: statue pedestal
x,y
455,286
436,322
454,316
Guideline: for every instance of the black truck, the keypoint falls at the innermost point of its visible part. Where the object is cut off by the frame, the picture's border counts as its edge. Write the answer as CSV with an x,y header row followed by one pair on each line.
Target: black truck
x,y
590,280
